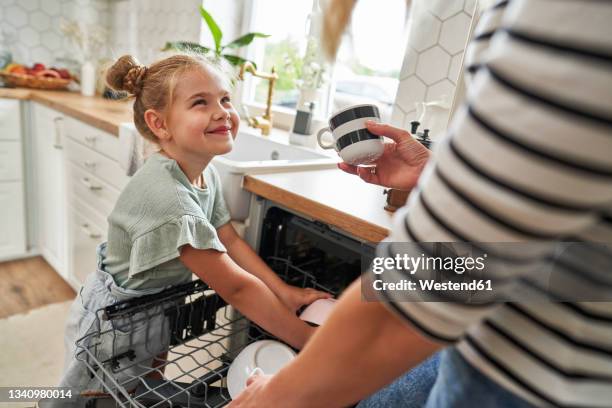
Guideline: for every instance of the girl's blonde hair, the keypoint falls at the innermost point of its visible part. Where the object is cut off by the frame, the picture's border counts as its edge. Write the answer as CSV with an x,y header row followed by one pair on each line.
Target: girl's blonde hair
x,y
153,86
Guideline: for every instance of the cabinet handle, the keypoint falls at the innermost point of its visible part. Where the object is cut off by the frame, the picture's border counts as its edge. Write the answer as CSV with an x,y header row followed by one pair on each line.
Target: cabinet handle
x,y
58,132
90,233
87,183
89,164
90,139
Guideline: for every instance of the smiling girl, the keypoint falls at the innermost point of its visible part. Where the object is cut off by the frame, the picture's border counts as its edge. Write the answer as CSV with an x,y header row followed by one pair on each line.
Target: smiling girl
x,y
171,220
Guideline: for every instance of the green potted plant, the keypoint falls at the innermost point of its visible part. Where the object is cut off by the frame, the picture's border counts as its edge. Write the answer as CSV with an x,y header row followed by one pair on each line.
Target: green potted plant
x,y
219,51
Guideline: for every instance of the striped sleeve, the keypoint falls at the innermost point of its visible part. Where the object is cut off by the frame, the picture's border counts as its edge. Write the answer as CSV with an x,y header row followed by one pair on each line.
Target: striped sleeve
x,y
528,157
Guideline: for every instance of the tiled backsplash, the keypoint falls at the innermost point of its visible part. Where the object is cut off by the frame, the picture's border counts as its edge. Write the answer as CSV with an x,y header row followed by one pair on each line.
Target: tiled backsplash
x,y
32,27
432,62
140,27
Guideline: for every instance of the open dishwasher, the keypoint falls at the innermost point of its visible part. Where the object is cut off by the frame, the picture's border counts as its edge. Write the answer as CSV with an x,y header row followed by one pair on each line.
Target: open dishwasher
x,y
192,335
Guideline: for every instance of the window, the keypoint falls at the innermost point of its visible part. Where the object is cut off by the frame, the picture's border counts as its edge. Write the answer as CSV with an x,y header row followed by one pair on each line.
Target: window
x,y
367,66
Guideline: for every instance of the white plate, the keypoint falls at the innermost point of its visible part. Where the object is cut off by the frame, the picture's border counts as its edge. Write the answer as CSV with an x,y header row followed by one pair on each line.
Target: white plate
x,y
267,355
318,311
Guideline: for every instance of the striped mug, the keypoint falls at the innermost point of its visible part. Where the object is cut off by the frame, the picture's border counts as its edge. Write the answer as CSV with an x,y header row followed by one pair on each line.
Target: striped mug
x,y
351,139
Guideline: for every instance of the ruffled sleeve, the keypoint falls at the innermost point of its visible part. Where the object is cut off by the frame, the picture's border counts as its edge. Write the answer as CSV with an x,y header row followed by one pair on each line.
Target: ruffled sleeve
x,y
163,243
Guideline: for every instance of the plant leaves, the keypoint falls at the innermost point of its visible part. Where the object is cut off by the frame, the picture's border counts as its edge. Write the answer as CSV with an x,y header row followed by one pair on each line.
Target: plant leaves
x,y
186,46
245,40
214,29
236,60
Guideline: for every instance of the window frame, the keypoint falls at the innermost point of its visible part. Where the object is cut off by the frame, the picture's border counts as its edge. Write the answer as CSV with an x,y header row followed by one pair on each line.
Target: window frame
x,y
283,118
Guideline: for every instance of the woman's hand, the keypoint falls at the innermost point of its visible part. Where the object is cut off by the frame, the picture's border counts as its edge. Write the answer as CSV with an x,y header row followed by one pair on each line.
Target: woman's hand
x,y
401,163
294,297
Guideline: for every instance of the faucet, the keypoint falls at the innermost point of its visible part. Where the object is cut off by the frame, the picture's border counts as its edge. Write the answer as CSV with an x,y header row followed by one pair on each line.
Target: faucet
x,y
263,122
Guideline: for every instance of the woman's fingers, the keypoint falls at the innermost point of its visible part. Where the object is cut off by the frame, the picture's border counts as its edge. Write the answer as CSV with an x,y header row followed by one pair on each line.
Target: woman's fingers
x,y
347,168
382,129
366,174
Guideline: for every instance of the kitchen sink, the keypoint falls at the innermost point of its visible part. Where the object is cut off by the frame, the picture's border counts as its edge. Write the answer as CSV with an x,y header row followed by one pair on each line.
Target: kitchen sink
x,y
256,154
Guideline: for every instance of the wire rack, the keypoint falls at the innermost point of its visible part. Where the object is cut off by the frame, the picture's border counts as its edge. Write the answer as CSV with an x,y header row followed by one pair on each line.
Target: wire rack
x,y
172,349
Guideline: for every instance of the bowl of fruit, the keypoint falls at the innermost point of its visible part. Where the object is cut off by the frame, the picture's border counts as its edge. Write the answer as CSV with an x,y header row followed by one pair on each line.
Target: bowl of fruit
x,y
37,76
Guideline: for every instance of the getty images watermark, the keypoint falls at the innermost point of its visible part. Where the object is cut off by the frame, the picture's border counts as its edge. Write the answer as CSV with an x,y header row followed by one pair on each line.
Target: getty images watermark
x,y
481,273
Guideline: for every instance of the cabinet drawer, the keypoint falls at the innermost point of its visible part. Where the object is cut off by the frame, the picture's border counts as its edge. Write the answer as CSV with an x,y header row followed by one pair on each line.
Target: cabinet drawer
x,y
10,119
12,232
10,160
93,138
84,238
91,190
97,164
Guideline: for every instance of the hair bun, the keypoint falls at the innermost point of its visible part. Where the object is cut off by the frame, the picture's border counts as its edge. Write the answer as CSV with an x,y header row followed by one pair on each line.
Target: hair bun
x,y
126,74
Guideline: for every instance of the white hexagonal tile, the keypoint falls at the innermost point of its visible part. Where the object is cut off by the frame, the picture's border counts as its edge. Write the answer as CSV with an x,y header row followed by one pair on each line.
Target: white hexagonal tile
x,y
6,3
469,7
432,65
16,17
1,14
29,36
69,10
409,64
453,36
455,68
397,116
101,6
41,54
39,21
90,17
445,9
28,5
424,32
442,91
51,40
51,7
410,91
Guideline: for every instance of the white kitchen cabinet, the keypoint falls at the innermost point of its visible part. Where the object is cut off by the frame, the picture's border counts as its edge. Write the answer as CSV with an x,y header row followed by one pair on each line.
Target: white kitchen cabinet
x,y
12,233
50,186
85,236
12,214
94,181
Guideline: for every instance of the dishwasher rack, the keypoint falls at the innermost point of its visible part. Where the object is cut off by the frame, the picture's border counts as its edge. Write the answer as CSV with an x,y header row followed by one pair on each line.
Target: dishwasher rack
x,y
174,348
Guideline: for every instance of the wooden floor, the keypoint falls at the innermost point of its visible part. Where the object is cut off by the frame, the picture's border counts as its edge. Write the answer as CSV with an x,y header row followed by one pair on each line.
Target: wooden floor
x,y
28,284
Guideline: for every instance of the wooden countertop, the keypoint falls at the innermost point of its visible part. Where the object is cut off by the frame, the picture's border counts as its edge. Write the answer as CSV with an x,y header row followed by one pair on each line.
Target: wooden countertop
x,y
331,196
102,113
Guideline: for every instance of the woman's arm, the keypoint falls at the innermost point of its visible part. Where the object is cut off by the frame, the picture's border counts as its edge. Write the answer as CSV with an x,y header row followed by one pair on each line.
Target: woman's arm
x,y
246,293
246,258
361,348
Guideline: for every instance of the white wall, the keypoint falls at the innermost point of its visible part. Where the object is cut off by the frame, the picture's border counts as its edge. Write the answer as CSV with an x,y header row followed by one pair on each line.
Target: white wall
x,y
432,61
31,27
142,27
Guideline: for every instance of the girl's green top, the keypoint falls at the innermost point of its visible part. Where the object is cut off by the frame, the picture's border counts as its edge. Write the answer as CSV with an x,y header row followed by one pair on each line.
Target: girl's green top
x,y
157,213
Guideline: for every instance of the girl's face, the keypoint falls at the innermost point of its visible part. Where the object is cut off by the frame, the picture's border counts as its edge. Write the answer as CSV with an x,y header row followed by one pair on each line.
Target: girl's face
x,y
202,121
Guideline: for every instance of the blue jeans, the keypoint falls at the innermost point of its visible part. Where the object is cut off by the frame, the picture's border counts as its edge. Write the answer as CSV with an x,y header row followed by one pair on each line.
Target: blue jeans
x,y
411,390
445,380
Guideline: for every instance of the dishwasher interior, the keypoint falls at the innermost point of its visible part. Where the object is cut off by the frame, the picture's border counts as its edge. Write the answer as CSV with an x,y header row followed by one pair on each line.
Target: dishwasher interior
x,y
192,335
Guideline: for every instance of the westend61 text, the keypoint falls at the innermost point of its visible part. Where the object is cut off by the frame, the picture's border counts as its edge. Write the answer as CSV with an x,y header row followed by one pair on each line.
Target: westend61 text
x,y
433,285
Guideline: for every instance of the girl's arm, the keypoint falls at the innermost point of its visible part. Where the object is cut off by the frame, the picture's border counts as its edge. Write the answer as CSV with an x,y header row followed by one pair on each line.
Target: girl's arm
x,y
246,293
244,256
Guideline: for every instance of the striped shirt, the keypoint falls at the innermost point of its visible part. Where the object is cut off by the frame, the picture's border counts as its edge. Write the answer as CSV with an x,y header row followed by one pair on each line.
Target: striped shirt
x,y
527,158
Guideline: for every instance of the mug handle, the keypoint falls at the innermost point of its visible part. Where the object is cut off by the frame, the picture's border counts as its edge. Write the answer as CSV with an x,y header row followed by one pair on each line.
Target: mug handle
x,y
319,134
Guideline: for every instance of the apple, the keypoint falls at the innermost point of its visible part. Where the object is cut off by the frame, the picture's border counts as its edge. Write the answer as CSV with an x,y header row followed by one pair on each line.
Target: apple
x,y
47,73
38,67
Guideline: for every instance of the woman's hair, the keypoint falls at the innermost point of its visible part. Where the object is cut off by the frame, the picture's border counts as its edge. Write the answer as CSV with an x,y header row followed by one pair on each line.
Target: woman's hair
x,y
153,86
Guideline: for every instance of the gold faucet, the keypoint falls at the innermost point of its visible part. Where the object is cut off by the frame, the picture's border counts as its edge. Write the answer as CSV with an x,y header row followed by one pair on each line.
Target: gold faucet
x,y
263,122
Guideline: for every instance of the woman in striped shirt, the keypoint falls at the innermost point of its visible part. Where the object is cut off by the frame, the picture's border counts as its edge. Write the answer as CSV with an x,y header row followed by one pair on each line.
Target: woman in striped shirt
x,y
527,159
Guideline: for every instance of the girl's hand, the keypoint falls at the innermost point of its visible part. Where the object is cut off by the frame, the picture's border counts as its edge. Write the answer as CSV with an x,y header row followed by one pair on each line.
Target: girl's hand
x,y
294,297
